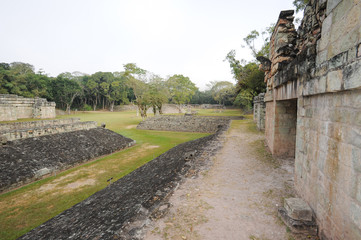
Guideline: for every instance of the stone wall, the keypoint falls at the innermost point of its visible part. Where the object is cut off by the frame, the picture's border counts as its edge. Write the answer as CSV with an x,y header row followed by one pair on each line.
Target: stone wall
x,y
22,130
328,161
321,70
13,107
23,161
186,123
121,210
259,111
171,108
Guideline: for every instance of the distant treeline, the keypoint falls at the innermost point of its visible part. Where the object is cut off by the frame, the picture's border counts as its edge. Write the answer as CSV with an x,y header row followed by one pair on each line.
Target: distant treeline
x,y
104,90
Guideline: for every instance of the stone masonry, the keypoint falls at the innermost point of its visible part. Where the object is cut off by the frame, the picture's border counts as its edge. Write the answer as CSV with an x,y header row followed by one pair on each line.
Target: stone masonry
x,y
22,130
121,210
26,160
313,110
13,107
187,123
259,111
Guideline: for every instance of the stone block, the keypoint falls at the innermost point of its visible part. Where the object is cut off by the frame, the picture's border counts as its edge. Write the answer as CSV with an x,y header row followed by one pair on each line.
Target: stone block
x,y
334,81
356,159
41,172
338,60
331,4
296,226
298,209
321,57
352,75
325,33
355,137
355,213
348,41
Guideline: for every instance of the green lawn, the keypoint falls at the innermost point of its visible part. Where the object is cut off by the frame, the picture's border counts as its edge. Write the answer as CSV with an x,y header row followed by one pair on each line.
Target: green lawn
x,y
25,208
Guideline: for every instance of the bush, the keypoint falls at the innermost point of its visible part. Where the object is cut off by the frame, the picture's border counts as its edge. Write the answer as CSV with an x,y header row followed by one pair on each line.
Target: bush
x,y
87,107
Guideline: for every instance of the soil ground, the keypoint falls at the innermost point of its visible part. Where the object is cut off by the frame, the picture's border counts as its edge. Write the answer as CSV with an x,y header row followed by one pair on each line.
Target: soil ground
x,y
235,198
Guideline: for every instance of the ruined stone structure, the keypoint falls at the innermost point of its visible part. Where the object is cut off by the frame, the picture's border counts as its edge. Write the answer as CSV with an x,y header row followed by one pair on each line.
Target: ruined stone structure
x,y
313,110
26,160
13,107
121,210
22,130
187,123
259,111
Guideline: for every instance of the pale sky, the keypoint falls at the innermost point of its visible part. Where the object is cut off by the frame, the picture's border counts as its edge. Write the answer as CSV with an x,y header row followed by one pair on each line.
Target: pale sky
x,y
166,37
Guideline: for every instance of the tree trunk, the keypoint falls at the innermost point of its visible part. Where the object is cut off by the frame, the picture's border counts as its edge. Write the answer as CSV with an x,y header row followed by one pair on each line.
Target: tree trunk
x,y
68,108
179,108
112,106
95,103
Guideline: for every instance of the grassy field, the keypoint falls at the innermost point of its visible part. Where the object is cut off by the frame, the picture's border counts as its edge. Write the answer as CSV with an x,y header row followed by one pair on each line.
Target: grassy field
x,y
25,208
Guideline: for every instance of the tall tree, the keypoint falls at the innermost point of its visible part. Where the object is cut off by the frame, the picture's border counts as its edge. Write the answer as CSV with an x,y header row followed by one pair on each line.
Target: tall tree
x,y
64,91
300,4
222,92
181,89
158,92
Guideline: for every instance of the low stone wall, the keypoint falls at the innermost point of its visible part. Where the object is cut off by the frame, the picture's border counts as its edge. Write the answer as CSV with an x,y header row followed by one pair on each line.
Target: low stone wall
x,y
23,161
121,210
6,136
187,123
36,124
13,107
172,108
23,130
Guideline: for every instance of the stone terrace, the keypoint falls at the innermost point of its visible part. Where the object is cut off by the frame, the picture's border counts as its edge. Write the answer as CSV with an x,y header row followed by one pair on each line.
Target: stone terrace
x,y
26,160
13,107
187,123
23,130
122,209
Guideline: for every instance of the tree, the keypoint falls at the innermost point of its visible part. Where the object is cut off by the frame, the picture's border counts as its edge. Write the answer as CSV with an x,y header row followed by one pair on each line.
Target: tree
x,y
222,92
158,93
300,4
181,90
250,80
253,36
203,97
22,68
64,91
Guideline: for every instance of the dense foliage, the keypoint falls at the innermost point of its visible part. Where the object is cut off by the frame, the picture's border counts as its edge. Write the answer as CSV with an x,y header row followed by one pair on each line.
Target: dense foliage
x,y
104,90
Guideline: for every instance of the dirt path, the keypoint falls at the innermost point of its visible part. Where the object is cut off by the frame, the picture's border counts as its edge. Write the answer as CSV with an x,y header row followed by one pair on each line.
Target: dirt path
x,y
237,198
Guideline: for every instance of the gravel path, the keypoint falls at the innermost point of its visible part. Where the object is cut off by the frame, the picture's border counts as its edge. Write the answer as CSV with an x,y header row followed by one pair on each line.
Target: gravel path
x,y
236,198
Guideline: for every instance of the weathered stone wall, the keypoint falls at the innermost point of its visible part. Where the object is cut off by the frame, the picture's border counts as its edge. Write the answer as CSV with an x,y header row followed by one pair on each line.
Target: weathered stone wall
x,y
328,161
259,111
22,130
285,128
36,124
23,161
171,108
323,72
184,123
122,209
13,107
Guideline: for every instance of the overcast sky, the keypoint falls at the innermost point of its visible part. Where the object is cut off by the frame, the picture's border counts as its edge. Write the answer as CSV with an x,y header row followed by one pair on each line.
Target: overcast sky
x,y
166,37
